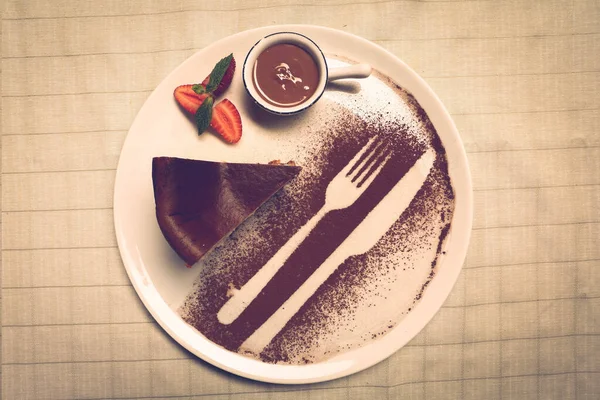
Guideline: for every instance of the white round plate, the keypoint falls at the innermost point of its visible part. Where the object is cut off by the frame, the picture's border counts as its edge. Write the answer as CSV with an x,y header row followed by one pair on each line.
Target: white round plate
x,y
159,129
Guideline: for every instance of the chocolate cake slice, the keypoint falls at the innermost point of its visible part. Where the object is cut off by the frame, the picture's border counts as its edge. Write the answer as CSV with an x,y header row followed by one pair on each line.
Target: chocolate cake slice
x,y
200,202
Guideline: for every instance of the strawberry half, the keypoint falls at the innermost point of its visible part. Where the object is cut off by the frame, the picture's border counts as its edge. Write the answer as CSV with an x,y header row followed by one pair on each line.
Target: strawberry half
x,y
227,121
188,99
198,101
225,81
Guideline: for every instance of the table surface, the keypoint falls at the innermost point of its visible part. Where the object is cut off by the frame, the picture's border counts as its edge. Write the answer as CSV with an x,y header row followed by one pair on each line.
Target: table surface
x,y
522,81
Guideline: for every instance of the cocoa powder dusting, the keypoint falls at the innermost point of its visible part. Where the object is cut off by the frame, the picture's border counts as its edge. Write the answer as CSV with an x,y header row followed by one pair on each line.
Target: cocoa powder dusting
x,y
331,321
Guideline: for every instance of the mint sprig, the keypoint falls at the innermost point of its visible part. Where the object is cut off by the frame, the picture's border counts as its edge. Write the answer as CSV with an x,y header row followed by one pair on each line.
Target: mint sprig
x,y
199,88
204,114
217,74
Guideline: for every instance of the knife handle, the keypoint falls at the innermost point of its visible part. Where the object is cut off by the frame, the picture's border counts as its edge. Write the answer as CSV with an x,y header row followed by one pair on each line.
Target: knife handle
x,y
240,299
276,322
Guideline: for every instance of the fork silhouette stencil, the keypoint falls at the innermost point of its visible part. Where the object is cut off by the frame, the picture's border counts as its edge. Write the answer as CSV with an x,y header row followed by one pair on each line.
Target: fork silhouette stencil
x,y
343,190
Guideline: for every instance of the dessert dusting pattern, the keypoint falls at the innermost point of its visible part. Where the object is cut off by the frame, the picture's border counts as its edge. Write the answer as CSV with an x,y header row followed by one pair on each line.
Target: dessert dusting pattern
x,y
390,277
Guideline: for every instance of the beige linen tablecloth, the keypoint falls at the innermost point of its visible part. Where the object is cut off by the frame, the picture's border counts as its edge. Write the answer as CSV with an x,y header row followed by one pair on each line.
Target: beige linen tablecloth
x,y
522,81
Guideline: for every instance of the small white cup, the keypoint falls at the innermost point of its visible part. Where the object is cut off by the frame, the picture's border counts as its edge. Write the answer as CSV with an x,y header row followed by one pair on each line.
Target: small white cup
x,y
325,75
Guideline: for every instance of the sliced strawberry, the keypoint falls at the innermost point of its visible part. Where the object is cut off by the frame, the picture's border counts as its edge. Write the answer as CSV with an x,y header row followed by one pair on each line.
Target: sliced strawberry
x,y
227,121
225,82
188,99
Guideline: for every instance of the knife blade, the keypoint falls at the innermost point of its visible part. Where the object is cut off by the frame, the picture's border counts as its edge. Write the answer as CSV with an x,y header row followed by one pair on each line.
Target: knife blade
x,y
361,240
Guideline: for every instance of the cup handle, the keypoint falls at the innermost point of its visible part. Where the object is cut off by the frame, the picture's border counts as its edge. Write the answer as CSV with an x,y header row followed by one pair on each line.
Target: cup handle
x,y
357,71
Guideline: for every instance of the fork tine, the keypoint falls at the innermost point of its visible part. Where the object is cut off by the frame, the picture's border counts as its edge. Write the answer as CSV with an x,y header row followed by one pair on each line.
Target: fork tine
x,y
375,169
371,162
359,157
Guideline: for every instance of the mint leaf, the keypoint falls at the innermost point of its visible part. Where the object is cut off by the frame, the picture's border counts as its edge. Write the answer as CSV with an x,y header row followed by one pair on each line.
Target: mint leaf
x,y
199,88
204,114
217,73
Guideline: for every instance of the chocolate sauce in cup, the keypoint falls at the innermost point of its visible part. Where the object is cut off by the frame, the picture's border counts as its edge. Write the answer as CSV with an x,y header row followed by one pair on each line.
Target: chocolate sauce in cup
x,y
286,72
285,75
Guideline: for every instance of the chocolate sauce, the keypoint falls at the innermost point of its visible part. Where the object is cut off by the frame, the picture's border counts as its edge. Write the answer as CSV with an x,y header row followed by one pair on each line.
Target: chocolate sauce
x,y
423,225
285,75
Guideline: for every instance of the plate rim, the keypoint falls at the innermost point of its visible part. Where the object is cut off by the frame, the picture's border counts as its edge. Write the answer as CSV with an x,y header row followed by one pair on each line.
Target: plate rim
x,y
294,374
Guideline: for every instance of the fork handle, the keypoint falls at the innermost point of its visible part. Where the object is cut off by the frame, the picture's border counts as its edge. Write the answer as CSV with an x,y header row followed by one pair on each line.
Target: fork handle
x,y
240,299
276,322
